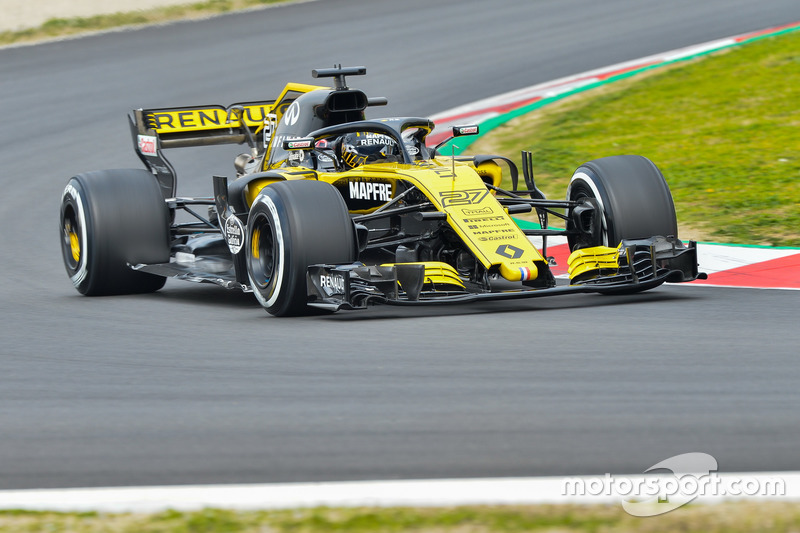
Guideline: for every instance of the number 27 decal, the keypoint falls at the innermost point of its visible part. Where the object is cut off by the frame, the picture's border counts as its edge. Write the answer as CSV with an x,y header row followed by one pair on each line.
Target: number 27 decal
x,y
467,197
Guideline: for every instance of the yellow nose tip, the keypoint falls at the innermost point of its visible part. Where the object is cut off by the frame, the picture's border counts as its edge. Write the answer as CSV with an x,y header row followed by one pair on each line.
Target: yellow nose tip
x,y
527,272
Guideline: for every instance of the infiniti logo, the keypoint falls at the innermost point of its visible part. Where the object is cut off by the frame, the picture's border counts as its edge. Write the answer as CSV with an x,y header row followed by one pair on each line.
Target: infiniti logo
x,y
292,114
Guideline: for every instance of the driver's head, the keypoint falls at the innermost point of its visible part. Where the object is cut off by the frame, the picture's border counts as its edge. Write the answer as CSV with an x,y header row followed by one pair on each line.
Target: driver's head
x,y
355,149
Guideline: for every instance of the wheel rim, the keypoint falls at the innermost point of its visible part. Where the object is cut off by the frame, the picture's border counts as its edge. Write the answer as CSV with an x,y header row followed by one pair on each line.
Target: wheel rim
x,y
262,252
578,193
71,245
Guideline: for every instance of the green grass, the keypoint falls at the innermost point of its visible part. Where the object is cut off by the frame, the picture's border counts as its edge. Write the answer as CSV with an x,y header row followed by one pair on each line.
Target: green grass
x,y
765,517
64,27
725,131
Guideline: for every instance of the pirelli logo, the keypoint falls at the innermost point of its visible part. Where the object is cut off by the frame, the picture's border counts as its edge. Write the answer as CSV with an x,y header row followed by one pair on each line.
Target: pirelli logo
x,y
203,118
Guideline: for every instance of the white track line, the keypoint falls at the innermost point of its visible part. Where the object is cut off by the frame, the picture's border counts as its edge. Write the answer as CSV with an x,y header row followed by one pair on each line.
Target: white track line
x,y
416,493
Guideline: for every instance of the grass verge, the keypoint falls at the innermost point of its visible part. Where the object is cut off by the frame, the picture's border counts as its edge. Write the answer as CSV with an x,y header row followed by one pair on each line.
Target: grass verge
x,y
740,517
64,27
724,129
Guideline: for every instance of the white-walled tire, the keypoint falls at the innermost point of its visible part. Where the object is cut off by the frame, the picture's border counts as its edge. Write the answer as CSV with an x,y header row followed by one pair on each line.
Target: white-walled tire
x,y
633,196
291,225
109,219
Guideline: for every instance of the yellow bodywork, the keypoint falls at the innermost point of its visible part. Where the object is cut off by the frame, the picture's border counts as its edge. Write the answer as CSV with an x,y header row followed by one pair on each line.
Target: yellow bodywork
x,y
457,189
597,259
437,274
490,172
475,215
254,187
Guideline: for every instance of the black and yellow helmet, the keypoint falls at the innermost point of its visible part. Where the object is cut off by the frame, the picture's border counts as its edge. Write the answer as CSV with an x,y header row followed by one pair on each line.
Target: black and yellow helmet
x,y
356,149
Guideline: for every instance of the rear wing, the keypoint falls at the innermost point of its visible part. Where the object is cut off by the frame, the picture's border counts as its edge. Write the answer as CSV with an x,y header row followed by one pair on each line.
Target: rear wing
x,y
249,122
204,125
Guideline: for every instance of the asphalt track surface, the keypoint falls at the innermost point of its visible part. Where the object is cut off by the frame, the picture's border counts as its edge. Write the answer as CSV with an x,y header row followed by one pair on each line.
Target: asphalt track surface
x,y
196,384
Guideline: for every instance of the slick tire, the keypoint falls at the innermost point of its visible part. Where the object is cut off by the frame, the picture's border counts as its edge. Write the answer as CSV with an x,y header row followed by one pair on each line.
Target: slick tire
x,y
291,225
633,197
110,219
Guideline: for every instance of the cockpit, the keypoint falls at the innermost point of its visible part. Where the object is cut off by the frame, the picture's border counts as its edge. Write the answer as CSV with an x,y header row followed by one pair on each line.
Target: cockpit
x,y
347,146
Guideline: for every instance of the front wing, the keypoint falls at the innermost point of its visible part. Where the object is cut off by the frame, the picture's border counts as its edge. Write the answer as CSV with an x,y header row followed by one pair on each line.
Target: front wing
x,y
641,265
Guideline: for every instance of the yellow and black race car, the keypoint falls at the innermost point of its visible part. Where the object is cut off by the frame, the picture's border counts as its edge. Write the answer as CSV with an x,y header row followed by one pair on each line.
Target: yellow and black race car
x,y
332,211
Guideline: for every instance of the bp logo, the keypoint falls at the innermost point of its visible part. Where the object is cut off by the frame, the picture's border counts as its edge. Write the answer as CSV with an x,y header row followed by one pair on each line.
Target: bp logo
x,y
512,252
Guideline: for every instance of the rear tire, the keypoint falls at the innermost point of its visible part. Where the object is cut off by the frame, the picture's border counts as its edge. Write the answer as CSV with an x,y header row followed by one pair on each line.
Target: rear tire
x,y
291,225
109,219
633,196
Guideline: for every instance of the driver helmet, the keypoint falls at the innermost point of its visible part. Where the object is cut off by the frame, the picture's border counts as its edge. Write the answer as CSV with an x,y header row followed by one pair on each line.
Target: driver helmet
x,y
355,149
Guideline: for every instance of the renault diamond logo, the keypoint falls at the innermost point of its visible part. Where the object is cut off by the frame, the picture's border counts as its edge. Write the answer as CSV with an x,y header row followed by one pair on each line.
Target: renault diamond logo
x,y
512,252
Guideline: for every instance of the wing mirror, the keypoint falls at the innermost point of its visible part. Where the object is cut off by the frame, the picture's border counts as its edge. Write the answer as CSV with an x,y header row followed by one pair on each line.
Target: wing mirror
x,y
304,143
458,131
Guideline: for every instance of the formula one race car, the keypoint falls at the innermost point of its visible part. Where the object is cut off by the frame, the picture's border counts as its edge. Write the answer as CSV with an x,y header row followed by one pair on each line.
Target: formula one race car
x,y
332,211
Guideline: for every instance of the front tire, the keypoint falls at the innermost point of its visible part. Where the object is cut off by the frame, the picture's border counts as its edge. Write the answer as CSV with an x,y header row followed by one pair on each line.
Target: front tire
x,y
632,195
110,219
291,225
